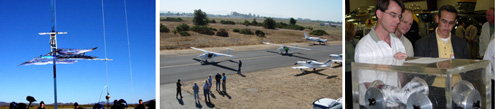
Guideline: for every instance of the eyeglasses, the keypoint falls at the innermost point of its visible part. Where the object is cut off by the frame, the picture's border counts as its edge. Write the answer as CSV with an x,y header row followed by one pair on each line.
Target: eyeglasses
x,y
447,22
394,15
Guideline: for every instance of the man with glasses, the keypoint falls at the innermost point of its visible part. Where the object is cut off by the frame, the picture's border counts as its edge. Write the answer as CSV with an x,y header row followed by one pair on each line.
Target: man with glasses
x,y
443,44
380,42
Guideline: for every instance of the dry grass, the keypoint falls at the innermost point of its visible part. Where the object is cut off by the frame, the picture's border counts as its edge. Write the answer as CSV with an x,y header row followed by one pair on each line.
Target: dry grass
x,y
169,41
66,106
275,88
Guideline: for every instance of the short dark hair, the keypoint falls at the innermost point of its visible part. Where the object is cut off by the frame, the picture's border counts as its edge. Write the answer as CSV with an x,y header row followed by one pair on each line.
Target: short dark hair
x,y
382,5
448,8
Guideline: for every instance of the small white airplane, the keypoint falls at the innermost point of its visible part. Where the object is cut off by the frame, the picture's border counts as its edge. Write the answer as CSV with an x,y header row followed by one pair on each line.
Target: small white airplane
x,y
337,58
314,39
310,64
286,49
209,55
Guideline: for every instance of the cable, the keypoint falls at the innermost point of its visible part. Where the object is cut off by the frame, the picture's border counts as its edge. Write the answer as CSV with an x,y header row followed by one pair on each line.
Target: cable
x,y
104,42
128,46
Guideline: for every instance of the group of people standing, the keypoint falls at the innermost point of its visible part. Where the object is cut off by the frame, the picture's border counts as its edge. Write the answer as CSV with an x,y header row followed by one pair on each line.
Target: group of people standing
x,y
220,81
386,39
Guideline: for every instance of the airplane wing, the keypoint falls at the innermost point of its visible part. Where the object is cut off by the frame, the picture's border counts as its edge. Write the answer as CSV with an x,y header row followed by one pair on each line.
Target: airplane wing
x,y
286,46
300,67
199,49
272,44
65,51
337,60
298,47
219,54
40,61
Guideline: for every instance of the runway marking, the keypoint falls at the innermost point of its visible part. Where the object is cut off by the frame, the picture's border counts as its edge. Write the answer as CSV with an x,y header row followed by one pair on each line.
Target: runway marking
x,y
182,65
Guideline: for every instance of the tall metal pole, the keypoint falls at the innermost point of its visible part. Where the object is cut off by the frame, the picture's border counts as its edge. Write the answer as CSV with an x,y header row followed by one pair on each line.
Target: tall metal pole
x,y
53,38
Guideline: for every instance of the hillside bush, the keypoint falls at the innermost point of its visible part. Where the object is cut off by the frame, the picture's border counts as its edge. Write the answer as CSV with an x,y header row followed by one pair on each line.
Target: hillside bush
x,y
236,30
227,22
260,33
164,28
173,19
223,32
246,31
318,32
184,33
269,23
182,27
203,29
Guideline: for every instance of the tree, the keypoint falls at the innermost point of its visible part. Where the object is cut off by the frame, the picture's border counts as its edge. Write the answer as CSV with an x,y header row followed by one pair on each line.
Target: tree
x,y
269,23
164,28
254,22
246,22
292,21
200,18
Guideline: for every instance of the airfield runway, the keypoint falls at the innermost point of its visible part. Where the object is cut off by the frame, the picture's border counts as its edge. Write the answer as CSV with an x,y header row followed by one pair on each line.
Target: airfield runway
x,y
187,67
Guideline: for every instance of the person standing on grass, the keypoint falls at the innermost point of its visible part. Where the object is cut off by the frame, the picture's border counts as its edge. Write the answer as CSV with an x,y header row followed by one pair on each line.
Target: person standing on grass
x,y
240,65
223,83
218,77
206,91
196,91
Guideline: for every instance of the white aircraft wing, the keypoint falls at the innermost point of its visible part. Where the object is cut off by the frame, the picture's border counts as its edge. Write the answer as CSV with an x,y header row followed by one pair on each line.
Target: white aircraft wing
x,y
299,47
337,60
300,67
199,49
286,46
272,44
221,54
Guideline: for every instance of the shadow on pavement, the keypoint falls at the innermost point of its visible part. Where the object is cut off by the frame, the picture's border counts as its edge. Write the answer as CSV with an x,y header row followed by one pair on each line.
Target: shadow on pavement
x,y
180,101
314,72
330,77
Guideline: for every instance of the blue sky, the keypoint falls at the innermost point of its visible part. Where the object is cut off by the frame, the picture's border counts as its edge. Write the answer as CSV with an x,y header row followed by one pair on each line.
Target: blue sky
x,y
329,10
83,81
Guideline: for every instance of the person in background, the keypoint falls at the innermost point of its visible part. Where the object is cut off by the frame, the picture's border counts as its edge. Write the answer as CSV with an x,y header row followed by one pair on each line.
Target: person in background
x,y
218,77
179,91
42,105
350,44
487,31
141,105
223,83
403,28
472,37
196,93
443,44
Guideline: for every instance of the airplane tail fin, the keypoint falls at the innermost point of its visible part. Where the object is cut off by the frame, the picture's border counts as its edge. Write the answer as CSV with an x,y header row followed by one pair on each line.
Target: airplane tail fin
x,y
324,40
306,35
228,50
328,62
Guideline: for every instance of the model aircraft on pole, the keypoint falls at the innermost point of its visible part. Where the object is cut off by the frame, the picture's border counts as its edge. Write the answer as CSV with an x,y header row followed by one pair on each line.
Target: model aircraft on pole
x,y
209,55
63,56
286,49
337,58
310,64
314,39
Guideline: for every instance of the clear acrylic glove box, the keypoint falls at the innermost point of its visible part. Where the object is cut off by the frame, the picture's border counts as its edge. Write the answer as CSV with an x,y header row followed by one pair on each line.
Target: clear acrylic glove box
x,y
421,83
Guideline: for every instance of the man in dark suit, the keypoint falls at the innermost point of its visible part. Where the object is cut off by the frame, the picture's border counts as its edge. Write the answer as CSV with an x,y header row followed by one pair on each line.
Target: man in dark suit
x,y
443,44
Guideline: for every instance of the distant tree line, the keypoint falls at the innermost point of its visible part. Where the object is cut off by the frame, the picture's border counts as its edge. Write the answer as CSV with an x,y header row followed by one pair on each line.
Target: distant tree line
x,y
171,19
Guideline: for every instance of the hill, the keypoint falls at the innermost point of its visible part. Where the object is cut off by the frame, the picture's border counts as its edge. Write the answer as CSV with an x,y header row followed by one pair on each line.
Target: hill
x,y
170,40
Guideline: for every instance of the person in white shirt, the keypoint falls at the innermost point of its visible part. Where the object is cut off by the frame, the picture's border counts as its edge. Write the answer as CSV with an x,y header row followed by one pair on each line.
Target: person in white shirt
x,y
381,43
487,32
403,28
